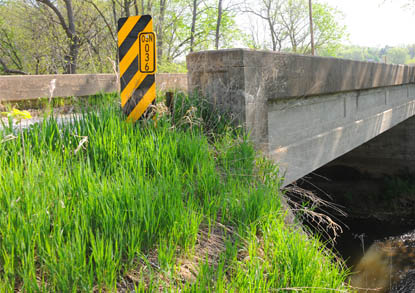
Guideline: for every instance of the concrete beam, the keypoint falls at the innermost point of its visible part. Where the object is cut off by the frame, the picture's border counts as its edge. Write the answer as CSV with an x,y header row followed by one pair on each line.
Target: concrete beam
x,y
292,75
24,87
307,135
304,111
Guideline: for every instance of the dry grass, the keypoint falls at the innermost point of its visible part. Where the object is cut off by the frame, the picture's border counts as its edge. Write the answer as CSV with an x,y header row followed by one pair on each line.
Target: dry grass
x,y
210,244
317,212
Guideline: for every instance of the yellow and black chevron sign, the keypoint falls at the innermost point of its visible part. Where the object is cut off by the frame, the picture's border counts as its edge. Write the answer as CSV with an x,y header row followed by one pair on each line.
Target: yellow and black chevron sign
x,y
137,56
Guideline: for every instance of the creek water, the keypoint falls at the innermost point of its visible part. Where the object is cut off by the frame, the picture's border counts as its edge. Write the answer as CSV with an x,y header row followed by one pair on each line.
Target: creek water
x,y
374,214
360,234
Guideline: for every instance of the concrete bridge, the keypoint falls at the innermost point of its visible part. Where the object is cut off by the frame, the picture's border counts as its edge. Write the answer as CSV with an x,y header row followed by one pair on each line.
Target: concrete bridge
x,y
305,112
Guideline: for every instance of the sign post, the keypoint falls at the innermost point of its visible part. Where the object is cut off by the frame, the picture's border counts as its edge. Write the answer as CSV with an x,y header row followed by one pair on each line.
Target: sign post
x,y
137,59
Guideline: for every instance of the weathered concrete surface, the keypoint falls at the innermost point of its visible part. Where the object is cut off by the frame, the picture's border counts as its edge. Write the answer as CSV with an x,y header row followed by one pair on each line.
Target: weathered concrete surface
x,y
322,128
304,111
171,82
290,75
23,87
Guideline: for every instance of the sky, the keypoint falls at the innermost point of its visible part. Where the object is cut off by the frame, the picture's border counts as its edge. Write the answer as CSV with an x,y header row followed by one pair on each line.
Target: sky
x,y
376,23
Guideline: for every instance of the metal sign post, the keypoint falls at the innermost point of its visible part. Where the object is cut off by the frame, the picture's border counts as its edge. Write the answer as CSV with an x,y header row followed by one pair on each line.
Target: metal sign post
x,y
137,57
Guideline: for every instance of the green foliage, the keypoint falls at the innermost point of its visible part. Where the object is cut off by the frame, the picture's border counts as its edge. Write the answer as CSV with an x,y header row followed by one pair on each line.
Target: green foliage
x,y
329,32
288,26
11,40
180,15
23,39
97,198
410,61
166,66
397,55
28,36
357,53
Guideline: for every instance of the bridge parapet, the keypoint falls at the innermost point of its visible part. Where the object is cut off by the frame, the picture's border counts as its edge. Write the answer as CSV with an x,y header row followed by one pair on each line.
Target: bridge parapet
x,y
26,87
305,111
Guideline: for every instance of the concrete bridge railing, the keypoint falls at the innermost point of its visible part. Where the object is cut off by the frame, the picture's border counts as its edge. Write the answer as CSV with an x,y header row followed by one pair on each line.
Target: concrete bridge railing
x,y
27,87
304,112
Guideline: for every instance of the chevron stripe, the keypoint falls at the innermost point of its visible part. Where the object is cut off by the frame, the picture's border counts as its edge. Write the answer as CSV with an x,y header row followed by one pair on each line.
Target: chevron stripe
x,y
139,93
142,106
129,89
125,25
129,73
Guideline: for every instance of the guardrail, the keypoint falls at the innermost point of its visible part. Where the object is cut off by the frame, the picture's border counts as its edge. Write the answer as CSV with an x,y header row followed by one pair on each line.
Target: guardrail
x,y
27,87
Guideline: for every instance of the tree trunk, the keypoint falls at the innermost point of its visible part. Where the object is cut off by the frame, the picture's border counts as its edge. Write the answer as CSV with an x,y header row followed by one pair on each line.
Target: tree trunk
x,y
136,7
217,36
273,39
114,12
160,29
70,31
127,8
193,28
149,7
271,26
72,57
310,10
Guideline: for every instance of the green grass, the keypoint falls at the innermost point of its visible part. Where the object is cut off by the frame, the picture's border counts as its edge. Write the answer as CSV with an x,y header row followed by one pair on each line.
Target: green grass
x,y
136,199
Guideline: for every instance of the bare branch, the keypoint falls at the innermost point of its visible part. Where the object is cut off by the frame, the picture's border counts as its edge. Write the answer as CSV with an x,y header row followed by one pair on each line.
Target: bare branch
x,y
67,30
103,17
10,71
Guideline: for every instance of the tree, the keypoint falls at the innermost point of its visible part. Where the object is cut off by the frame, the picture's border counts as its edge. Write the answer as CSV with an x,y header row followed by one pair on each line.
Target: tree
x,y
69,28
225,22
350,52
21,47
68,36
288,24
397,55
328,31
192,25
7,70
269,11
294,18
8,48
